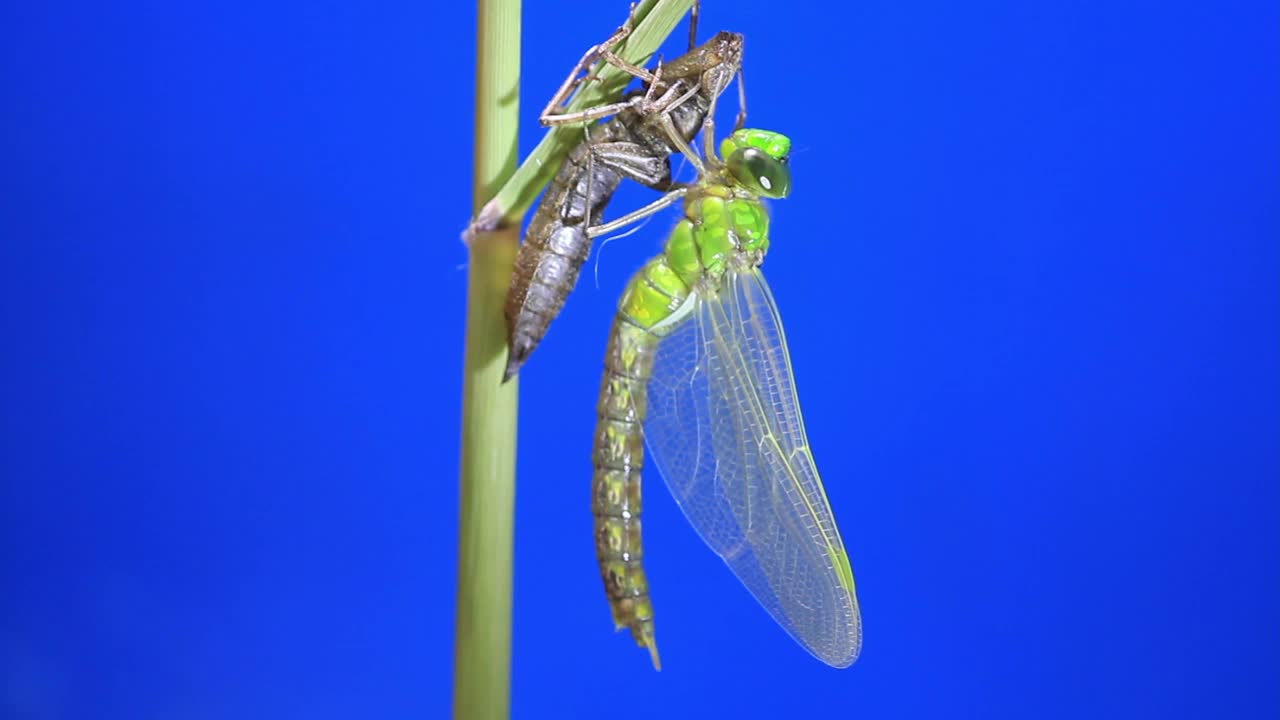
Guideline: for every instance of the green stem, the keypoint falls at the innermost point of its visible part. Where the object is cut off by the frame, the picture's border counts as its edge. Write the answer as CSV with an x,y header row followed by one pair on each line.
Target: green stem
x,y
482,643
501,193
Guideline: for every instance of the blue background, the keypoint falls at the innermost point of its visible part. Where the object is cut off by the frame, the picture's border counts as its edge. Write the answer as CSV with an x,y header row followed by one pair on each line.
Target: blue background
x,y
1029,274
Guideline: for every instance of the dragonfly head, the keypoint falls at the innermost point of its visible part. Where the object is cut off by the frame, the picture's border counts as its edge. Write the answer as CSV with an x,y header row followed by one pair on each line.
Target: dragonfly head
x,y
757,159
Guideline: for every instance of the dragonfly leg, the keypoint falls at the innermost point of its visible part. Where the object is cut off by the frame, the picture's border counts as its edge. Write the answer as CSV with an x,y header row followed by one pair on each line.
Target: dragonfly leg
x,y
666,105
709,130
652,208
630,68
630,161
634,162
693,23
606,48
741,120
553,113
607,54
550,117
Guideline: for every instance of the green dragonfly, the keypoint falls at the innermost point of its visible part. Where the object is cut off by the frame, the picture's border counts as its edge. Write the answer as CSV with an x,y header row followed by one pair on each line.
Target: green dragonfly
x,y
697,368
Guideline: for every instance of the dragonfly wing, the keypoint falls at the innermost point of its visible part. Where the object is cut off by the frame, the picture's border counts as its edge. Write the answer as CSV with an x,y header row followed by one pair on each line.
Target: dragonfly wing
x,y
725,431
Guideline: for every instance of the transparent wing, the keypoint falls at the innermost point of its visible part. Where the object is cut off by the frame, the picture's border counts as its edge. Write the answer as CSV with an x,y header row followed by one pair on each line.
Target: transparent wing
x,y
725,431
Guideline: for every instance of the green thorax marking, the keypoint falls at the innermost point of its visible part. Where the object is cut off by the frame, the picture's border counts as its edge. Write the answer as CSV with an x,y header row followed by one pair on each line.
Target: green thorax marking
x,y
725,226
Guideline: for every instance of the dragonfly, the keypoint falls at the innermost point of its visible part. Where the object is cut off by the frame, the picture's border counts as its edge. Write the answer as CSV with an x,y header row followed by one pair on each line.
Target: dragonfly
x,y
698,370
635,142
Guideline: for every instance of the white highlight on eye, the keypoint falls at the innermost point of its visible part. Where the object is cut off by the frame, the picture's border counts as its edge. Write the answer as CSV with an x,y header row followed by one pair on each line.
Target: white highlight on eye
x,y
764,183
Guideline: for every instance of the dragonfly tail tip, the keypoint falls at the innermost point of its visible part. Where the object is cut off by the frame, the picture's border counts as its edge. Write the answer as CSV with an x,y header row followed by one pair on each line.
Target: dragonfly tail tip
x,y
516,356
513,367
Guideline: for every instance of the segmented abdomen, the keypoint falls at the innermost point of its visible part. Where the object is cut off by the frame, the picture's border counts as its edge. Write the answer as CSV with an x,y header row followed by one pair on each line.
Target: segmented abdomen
x,y
555,247
716,226
651,296
556,244
618,460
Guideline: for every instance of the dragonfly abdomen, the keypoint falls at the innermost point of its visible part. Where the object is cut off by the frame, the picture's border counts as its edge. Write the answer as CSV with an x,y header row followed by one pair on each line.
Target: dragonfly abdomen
x,y
555,247
722,229
616,488
652,296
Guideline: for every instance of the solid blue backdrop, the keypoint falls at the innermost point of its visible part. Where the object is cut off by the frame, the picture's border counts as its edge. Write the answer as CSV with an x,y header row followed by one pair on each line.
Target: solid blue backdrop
x,y
1029,275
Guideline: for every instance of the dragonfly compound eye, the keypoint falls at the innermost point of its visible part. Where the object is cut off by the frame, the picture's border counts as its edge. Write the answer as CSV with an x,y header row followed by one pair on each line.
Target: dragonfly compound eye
x,y
761,173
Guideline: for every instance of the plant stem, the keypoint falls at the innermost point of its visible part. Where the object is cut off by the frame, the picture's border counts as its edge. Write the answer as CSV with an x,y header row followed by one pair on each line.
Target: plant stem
x,y
482,644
